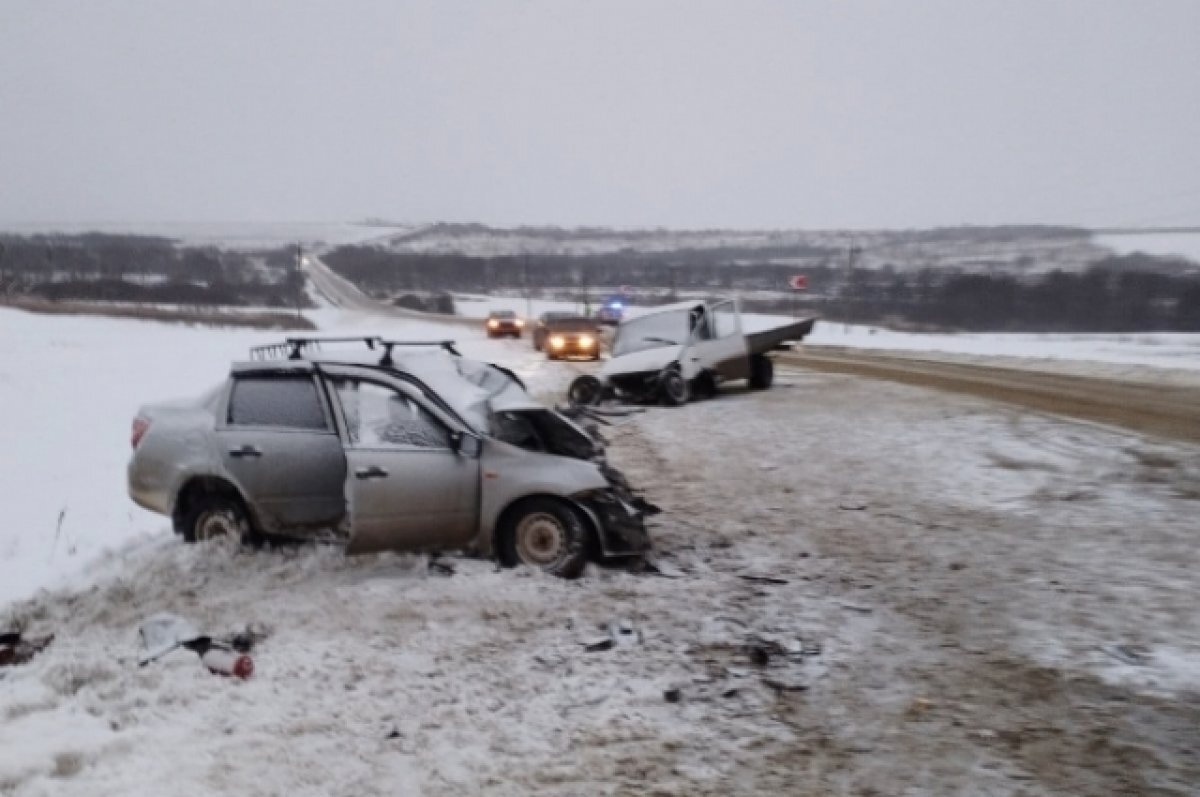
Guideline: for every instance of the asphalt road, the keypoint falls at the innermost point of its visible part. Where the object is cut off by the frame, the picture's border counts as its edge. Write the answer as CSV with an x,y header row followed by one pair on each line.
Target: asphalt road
x,y
1170,411
342,293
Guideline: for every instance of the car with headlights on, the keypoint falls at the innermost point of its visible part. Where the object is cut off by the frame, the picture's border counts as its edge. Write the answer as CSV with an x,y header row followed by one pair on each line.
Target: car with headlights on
x,y
504,323
564,336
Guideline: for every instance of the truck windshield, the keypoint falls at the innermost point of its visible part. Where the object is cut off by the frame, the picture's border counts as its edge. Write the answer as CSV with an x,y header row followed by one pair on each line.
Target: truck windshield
x,y
652,331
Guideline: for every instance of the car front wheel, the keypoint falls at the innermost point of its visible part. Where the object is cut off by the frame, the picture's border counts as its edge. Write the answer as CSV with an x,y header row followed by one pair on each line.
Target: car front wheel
x,y
547,534
673,388
585,390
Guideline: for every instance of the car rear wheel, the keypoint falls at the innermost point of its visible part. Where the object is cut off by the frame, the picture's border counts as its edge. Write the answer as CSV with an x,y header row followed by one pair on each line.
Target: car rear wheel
x,y
217,518
547,534
762,372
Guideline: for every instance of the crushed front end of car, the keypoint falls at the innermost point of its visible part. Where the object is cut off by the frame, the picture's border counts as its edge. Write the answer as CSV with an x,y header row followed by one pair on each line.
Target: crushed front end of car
x,y
616,512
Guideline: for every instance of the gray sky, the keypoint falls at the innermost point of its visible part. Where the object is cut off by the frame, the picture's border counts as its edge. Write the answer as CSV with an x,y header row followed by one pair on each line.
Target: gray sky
x,y
807,113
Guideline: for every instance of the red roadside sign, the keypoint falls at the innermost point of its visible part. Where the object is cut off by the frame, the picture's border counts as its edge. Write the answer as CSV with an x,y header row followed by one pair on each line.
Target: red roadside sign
x,y
799,282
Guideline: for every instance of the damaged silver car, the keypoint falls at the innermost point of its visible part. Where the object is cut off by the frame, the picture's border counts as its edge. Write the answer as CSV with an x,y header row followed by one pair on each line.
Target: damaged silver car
x,y
413,448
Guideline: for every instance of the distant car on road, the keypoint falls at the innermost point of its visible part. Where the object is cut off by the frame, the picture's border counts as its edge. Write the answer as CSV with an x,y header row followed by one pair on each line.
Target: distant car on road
x,y
611,312
563,335
504,323
426,451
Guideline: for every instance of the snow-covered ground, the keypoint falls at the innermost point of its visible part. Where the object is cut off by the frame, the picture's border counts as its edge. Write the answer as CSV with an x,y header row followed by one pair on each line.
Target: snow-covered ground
x,y
947,579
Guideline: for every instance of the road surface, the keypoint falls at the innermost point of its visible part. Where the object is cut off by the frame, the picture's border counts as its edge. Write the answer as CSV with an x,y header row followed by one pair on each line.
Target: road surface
x,y
342,293
1171,411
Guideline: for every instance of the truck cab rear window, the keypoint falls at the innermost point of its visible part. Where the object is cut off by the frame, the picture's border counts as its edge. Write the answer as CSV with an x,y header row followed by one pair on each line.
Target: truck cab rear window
x,y
282,402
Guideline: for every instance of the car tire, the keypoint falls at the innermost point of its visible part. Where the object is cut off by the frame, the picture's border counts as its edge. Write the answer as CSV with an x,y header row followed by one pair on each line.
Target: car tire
x,y
585,390
673,388
216,517
762,372
545,533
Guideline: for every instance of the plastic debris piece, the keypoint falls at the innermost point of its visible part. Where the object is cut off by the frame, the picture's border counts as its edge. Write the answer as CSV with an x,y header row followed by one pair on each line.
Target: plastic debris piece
x,y
162,634
16,649
1129,654
599,643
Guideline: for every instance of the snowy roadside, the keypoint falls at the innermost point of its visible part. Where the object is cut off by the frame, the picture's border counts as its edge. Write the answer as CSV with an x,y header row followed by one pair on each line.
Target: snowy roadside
x,y
944,578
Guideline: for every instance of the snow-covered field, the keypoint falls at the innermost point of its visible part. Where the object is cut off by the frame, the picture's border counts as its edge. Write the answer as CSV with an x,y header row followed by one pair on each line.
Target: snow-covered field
x,y
1158,350
952,576
1185,245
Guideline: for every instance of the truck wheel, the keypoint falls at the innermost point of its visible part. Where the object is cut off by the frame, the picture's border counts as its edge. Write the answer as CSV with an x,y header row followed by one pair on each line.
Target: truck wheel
x,y
673,388
762,372
217,517
585,390
547,534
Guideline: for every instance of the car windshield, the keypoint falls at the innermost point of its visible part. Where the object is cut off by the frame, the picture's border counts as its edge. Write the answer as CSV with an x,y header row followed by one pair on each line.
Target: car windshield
x,y
652,331
571,325
503,314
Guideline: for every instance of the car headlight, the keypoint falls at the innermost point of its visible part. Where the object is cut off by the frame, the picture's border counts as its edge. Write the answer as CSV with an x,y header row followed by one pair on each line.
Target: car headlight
x,y
520,322
557,342
493,323
586,341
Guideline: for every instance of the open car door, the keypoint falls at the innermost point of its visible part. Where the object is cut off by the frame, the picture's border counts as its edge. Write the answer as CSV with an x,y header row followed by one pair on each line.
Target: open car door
x,y
410,482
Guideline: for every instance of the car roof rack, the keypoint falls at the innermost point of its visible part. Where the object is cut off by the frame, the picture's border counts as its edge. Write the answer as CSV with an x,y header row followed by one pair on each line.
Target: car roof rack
x,y
294,348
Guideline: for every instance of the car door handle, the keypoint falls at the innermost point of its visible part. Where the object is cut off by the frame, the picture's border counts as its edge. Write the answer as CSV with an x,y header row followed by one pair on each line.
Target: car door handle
x,y
245,451
373,472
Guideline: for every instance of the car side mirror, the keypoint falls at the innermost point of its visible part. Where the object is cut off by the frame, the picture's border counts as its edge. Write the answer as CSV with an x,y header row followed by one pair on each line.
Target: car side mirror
x,y
466,444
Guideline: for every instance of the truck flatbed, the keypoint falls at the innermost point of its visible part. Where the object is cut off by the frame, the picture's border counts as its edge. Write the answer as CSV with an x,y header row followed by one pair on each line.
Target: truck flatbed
x,y
775,337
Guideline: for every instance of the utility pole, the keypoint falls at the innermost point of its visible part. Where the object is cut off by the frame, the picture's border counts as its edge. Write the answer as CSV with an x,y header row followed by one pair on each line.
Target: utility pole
x,y
298,277
525,279
851,251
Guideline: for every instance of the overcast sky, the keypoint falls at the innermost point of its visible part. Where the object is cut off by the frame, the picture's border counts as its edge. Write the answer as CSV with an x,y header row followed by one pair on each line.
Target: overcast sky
x,y
805,113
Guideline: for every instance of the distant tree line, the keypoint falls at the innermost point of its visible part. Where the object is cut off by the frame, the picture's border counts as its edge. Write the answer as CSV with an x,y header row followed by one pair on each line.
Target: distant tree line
x,y
381,270
1131,293
1126,293
135,268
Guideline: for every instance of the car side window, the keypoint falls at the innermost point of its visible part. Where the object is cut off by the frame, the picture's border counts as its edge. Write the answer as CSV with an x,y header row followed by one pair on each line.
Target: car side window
x,y
724,320
285,402
380,416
